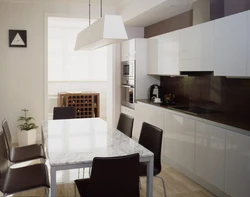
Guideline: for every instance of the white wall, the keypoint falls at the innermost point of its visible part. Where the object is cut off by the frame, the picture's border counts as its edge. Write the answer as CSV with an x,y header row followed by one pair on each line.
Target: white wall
x,y
201,11
22,69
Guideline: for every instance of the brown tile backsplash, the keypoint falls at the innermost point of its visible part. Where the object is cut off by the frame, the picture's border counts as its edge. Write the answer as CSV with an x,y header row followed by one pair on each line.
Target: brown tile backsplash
x,y
229,95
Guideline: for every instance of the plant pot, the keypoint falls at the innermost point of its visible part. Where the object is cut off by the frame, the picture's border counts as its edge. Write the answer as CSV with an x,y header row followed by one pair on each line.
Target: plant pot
x,y
26,137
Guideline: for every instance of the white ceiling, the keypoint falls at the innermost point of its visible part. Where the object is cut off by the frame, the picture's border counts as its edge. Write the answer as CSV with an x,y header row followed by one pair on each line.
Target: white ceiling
x,y
115,3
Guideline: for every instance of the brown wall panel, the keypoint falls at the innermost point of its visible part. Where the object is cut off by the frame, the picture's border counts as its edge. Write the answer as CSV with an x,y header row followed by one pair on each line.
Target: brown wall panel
x,y
236,6
216,9
229,95
177,22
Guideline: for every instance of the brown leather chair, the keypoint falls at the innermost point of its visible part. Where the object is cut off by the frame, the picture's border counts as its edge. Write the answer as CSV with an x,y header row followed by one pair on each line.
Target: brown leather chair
x,y
112,177
21,154
125,124
64,113
151,138
20,179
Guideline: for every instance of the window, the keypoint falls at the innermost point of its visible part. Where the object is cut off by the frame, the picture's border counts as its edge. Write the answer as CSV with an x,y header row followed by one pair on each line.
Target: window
x,y
65,64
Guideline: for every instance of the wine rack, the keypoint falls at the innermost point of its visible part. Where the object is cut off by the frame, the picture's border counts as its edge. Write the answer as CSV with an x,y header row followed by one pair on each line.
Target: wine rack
x,y
87,105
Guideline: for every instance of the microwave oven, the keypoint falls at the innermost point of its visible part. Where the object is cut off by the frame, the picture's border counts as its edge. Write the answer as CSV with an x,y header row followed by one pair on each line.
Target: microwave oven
x,y
128,69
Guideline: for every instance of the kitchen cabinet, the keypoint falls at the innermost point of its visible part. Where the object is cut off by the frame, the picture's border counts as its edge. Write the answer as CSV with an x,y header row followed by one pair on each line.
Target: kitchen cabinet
x,y
213,156
196,47
179,140
210,144
152,67
230,45
128,50
237,173
127,111
136,50
146,113
163,54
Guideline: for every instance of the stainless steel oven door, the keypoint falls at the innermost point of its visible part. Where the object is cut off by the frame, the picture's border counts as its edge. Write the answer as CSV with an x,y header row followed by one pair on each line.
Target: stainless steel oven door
x,y
128,96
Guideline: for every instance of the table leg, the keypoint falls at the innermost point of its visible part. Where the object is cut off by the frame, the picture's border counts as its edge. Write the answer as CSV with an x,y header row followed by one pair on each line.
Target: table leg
x,y
53,181
150,175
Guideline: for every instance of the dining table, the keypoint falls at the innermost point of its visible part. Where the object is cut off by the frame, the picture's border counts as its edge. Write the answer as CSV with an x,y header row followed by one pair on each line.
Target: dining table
x,y
73,144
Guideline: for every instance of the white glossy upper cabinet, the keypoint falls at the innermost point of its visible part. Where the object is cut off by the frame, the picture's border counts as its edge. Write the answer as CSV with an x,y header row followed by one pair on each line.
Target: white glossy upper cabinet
x,y
237,173
163,54
197,47
210,154
230,45
152,57
128,50
179,140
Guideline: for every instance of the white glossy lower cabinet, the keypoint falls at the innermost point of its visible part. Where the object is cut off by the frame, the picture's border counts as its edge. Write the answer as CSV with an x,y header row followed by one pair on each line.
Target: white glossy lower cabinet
x,y
210,143
237,173
146,113
178,140
127,111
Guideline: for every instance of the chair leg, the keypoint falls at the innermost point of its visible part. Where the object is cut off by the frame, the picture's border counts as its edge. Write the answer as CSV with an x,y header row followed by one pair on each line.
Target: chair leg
x,y
90,168
74,189
165,194
47,191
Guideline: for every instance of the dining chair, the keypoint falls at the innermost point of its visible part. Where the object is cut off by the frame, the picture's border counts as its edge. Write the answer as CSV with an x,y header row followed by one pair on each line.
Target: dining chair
x,y
112,177
24,153
64,113
151,138
125,124
20,179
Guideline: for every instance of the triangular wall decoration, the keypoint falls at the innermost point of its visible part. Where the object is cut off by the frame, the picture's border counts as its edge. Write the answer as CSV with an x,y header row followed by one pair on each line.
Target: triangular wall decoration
x,y
17,38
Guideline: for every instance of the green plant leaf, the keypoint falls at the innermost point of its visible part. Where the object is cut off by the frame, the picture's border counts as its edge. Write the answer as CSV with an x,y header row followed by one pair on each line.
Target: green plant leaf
x,y
26,125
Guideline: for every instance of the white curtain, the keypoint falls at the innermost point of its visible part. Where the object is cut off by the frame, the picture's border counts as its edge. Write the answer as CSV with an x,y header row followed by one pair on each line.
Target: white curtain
x,y
65,64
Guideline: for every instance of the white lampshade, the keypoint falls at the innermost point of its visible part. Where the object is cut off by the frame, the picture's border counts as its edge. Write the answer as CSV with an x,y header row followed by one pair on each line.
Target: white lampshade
x,y
106,30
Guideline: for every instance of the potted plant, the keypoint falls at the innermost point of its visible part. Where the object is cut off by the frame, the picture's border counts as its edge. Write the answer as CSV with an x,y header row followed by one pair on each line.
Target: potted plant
x,y
27,133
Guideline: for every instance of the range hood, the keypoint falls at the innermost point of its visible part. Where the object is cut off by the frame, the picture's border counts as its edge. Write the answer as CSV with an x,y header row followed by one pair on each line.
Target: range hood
x,y
197,73
105,31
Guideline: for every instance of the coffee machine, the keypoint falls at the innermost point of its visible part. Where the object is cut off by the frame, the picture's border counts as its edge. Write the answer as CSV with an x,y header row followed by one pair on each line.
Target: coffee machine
x,y
155,93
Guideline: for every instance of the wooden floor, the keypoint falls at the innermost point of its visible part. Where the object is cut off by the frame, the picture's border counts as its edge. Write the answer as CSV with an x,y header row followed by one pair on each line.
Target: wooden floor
x,y
177,185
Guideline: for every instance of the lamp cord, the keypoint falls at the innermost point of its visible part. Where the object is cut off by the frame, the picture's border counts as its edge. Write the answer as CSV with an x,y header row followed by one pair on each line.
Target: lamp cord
x,y
89,12
101,8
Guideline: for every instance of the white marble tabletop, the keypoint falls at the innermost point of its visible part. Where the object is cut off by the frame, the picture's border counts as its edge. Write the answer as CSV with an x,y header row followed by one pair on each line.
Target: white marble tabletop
x,y
76,141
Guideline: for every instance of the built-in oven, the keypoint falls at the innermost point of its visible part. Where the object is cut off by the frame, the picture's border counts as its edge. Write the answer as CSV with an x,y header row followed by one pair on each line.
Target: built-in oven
x,y
128,92
128,69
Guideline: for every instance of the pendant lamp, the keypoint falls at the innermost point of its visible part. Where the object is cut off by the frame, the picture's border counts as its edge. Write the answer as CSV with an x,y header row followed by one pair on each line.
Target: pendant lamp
x,y
107,30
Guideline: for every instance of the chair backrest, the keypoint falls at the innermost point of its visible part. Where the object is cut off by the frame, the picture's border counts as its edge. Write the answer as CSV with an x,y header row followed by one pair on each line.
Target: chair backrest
x,y
151,138
115,176
125,124
7,134
3,159
64,113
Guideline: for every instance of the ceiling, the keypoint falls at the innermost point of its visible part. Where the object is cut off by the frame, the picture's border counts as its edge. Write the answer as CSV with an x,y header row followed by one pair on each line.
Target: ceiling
x,y
115,3
161,12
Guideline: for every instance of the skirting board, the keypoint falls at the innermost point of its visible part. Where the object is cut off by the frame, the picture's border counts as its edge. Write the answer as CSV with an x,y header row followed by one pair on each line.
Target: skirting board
x,y
194,177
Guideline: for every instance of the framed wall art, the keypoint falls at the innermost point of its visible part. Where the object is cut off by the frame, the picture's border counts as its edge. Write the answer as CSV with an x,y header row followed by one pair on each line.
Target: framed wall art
x,y
17,38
